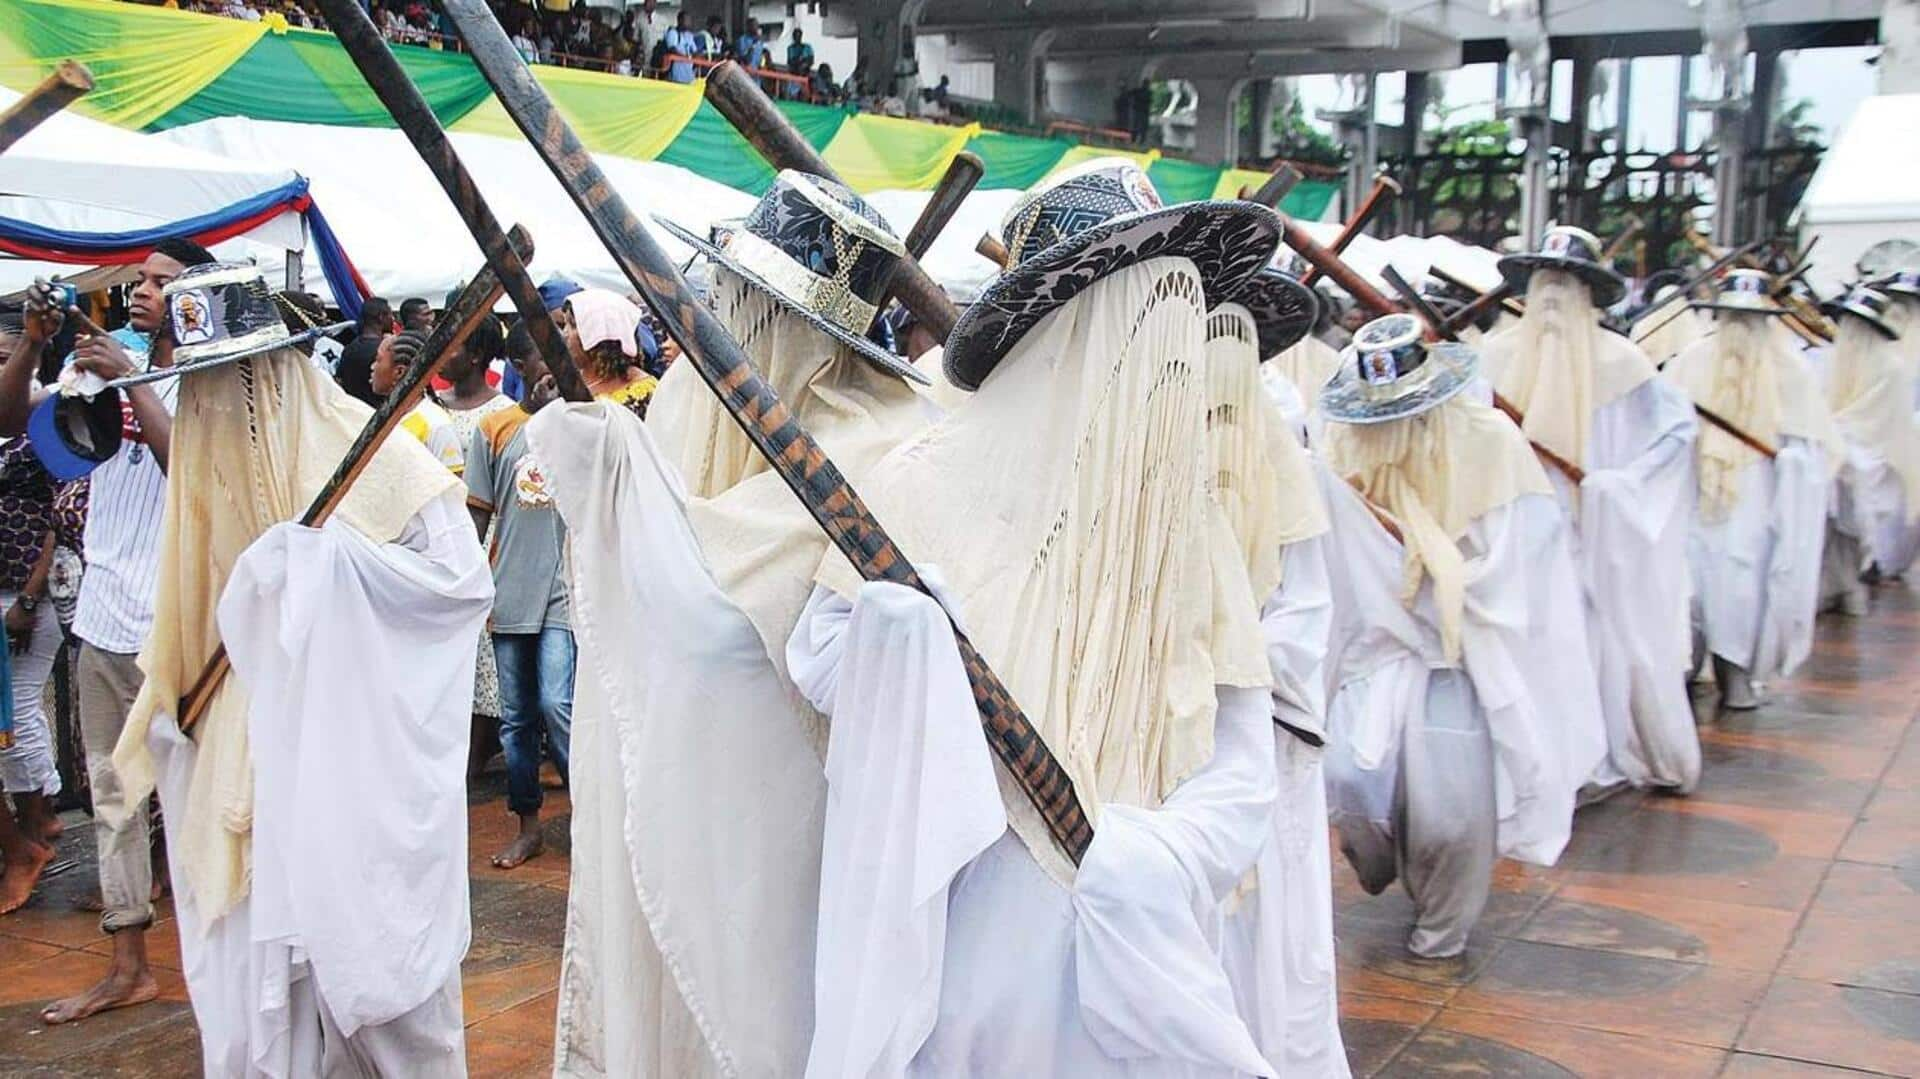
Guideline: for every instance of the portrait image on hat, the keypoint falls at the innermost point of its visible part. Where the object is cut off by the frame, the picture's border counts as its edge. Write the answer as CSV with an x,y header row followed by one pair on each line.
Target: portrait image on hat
x,y
1744,290
818,250
1867,304
1087,223
1574,250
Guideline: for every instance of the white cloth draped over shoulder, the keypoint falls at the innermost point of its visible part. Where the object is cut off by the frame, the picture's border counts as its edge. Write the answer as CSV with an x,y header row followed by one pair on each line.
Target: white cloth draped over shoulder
x,y
344,958
944,948
1869,384
697,792
1760,524
1633,436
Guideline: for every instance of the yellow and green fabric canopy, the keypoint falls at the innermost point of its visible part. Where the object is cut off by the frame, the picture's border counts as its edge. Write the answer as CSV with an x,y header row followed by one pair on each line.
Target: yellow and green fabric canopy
x,y
156,68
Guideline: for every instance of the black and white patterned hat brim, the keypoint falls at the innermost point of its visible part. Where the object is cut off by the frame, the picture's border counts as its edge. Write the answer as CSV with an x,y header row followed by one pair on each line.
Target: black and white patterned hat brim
x,y
1227,241
1758,306
1348,398
1836,308
869,351
1284,310
155,374
1608,287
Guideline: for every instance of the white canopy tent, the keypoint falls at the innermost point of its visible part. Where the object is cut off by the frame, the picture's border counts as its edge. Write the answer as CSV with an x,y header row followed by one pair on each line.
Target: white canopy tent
x,y
78,174
1864,191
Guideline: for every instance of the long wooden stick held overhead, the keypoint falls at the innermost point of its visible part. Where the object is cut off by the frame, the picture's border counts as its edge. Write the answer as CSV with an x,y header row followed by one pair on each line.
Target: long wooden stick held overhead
x,y
739,98
1385,190
68,83
717,357
474,303
963,173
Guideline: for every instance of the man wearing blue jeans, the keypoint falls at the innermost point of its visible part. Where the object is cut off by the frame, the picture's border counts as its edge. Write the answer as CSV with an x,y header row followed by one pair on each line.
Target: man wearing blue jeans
x,y
532,642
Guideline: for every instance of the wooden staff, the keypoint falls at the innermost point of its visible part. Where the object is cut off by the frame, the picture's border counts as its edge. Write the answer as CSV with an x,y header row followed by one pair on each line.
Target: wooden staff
x,y
1508,302
1473,312
719,359
1276,188
1357,224
739,98
474,303
991,249
963,172
1438,326
1634,225
65,86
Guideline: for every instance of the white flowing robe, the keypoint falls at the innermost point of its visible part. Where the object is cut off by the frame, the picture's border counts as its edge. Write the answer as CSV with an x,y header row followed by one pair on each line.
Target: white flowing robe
x,y
1631,518
1435,769
344,958
944,948
1277,942
1757,573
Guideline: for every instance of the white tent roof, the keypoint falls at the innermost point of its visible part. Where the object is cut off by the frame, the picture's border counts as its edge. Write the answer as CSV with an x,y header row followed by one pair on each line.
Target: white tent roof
x,y
79,174
1864,191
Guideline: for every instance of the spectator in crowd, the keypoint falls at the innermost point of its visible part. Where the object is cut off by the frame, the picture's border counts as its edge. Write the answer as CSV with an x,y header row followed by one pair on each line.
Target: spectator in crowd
x,y
28,771
416,314
603,333
116,598
426,420
532,638
750,48
713,41
825,90
681,41
356,362
525,45
799,62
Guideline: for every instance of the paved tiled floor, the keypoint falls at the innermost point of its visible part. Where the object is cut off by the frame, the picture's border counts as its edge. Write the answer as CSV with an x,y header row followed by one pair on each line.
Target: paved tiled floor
x,y
1767,926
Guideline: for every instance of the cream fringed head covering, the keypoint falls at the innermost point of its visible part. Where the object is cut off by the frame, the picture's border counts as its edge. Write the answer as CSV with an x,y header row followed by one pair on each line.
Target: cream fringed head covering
x,y
253,442
1261,475
1870,391
1437,473
1558,366
1308,363
1744,372
1667,334
1065,503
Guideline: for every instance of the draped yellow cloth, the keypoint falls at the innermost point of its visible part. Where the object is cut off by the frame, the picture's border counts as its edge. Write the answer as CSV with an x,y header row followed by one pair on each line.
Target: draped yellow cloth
x,y
253,443
1436,474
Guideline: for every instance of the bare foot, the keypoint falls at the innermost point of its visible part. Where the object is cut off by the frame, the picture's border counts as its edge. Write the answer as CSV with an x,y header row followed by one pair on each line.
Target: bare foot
x,y
527,844
24,864
114,991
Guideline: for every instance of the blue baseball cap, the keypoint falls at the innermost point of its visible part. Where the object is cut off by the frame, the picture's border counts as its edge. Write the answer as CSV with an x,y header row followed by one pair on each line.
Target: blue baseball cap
x,y
72,436
555,291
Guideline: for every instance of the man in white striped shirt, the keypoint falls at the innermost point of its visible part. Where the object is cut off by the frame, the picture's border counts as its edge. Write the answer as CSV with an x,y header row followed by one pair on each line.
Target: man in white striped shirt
x,y
115,614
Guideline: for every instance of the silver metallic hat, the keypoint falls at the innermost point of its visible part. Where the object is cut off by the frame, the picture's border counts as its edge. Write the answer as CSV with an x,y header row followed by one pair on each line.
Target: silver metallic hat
x,y
1867,304
1573,250
1746,291
1390,373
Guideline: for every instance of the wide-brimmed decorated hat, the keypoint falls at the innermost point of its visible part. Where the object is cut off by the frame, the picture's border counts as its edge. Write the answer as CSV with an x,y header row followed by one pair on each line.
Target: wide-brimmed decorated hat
x,y
1746,291
1088,223
73,435
221,312
1900,283
820,252
1574,250
1866,303
1390,373
1283,309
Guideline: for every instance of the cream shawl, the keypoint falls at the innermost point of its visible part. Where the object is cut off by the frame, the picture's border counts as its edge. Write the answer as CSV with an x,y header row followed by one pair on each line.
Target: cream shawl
x,y
1870,390
1436,474
1065,503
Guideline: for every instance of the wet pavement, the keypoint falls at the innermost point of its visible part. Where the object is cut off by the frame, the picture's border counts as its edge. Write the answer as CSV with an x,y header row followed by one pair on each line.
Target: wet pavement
x,y
1768,925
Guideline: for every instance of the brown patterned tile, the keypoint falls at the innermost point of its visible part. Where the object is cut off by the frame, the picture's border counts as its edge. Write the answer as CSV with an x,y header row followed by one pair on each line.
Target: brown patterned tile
x,y
24,1036
1756,1066
1375,1028
503,1058
1795,832
61,925
1373,958
1572,1050
530,1022
1650,867
1626,994
19,950
163,945
1837,1025
487,995
50,979
1663,927
1845,939
1888,831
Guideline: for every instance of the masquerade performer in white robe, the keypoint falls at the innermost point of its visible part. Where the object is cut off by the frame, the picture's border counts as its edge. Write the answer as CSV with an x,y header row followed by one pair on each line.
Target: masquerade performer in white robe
x,y
1903,315
1591,398
1877,500
1277,940
353,650
1465,715
1083,556
1759,524
697,790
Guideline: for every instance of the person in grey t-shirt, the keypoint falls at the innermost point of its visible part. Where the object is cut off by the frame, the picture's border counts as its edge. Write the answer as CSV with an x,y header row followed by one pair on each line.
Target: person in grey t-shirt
x,y
532,642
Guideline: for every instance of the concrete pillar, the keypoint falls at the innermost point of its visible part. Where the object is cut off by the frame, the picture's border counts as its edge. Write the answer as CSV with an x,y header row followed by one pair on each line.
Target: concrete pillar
x,y
1766,99
1900,52
1259,145
1017,63
1413,115
881,31
1577,116
1213,127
